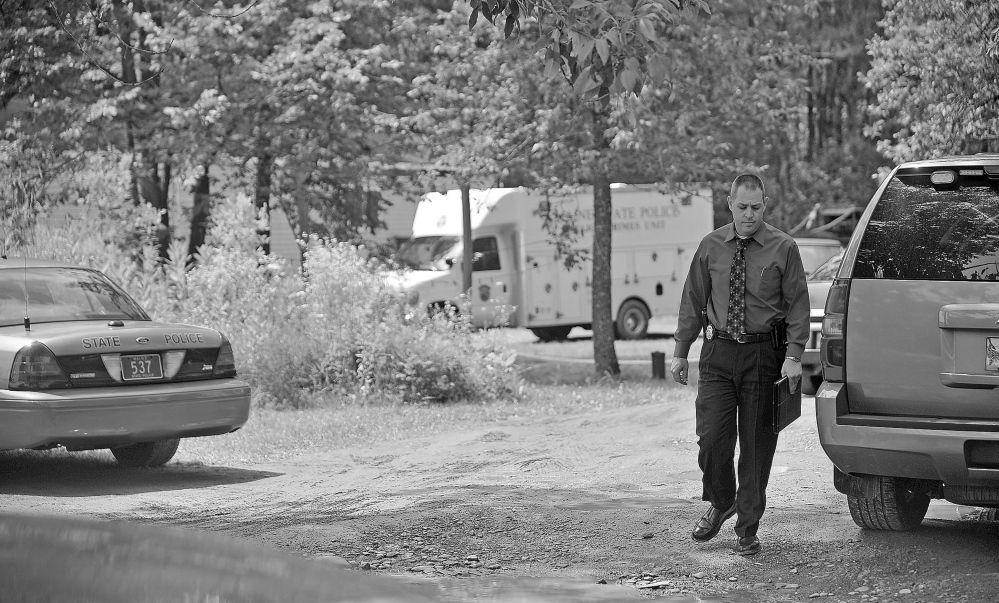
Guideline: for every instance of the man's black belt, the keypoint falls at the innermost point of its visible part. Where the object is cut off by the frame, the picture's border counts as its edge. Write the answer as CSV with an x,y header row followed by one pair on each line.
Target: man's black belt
x,y
743,337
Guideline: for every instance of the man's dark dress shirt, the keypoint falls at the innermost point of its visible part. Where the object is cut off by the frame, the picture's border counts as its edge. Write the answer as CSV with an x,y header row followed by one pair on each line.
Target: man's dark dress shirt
x,y
775,287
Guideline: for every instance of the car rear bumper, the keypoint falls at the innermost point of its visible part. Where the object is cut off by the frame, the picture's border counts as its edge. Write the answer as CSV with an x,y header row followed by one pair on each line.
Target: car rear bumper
x,y
930,454
103,417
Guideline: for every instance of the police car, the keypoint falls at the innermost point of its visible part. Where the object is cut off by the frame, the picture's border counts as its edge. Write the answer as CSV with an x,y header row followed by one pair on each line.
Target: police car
x,y
83,366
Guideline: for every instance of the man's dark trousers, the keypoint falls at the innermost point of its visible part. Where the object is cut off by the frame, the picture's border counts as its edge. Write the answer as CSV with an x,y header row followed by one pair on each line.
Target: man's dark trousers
x,y
734,397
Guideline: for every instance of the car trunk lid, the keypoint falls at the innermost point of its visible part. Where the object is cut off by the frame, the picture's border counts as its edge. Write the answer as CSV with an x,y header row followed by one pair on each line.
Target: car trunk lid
x,y
105,353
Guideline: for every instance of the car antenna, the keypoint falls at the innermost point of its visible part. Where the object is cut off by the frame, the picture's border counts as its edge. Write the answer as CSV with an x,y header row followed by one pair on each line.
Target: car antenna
x,y
27,321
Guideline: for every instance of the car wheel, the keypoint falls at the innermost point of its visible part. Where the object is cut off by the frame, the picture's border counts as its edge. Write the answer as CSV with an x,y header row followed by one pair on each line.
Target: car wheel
x,y
146,454
552,333
894,508
810,384
632,320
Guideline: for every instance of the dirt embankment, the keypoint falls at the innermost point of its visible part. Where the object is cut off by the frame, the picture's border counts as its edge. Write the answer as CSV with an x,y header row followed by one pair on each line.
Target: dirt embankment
x,y
545,507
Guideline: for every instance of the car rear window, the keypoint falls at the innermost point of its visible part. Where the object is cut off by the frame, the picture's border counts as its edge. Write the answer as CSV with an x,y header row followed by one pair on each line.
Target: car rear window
x,y
62,294
920,232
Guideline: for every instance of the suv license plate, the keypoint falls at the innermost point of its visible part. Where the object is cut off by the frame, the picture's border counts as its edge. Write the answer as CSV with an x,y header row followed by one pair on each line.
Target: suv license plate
x,y
147,366
992,354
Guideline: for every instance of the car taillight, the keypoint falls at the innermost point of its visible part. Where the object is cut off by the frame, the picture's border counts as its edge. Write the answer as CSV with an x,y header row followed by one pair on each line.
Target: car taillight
x,y
36,368
833,350
225,364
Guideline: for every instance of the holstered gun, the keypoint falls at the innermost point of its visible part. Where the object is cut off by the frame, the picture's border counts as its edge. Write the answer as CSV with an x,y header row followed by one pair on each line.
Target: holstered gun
x,y
778,334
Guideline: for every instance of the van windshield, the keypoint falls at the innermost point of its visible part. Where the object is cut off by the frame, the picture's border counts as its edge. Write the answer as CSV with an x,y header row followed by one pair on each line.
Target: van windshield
x,y
428,253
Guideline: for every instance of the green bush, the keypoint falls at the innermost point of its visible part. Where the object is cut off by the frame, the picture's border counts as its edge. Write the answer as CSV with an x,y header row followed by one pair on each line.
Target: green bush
x,y
336,329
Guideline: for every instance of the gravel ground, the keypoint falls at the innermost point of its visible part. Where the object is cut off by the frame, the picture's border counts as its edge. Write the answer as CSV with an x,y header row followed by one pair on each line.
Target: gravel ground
x,y
591,507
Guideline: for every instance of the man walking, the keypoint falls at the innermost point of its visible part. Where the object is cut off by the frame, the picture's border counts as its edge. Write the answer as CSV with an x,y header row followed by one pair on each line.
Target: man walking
x,y
746,289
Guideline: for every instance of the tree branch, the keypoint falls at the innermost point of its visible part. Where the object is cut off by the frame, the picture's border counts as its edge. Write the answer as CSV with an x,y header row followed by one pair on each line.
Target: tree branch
x,y
206,13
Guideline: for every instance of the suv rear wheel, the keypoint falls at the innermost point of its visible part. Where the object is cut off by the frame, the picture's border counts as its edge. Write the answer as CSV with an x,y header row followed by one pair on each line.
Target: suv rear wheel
x,y
894,508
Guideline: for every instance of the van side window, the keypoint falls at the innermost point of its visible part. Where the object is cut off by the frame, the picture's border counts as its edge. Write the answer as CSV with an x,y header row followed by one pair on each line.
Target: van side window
x,y
919,232
485,254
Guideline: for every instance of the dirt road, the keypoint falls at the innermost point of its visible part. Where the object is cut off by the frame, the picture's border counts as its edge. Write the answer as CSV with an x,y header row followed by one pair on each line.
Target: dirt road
x,y
542,510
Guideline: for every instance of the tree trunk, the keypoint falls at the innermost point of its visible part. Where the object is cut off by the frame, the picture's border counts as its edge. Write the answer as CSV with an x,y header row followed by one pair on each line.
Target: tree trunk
x,y
604,354
466,239
200,213
154,189
810,116
262,199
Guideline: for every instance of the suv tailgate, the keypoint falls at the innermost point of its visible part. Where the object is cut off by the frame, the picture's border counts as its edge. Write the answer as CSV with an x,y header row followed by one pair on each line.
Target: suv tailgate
x,y
898,361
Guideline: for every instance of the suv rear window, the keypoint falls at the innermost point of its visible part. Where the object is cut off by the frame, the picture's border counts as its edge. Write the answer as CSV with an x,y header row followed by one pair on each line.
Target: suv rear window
x,y
920,232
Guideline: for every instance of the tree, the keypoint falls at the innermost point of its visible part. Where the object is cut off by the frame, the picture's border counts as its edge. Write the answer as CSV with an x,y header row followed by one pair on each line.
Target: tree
x,y
935,76
293,101
603,48
471,110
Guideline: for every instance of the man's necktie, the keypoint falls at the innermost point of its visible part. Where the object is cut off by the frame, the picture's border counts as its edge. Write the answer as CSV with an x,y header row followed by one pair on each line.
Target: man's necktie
x,y
736,321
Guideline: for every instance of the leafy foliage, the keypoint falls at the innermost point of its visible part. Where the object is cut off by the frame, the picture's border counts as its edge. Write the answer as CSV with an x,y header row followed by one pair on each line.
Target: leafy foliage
x,y
600,46
935,74
338,329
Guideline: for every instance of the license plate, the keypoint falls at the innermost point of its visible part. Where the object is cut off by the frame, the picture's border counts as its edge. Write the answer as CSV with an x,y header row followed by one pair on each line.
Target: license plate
x,y
146,366
992,354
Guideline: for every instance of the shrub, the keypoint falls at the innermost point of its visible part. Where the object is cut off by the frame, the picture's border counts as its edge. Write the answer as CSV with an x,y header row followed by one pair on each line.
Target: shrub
x,y
336,328
367,337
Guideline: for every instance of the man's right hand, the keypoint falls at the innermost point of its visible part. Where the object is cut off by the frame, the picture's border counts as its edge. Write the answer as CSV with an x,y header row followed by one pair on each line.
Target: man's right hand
x,y
679,368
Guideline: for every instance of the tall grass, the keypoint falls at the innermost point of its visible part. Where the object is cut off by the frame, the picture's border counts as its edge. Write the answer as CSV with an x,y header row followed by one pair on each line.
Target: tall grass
x,y
334,331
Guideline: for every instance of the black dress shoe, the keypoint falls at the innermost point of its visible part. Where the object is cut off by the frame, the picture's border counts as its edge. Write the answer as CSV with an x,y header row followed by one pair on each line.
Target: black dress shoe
x,y
708,525
750,545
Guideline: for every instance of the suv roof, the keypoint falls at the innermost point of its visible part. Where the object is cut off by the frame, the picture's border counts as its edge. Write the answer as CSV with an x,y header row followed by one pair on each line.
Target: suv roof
x,y
982,159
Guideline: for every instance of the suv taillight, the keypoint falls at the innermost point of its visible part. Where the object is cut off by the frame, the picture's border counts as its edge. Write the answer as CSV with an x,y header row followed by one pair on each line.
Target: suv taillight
x,y
36,368
833,350
225,364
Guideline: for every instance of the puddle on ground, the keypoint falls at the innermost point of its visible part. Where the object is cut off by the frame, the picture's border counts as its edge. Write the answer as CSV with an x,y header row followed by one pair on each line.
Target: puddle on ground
x,y
514,589
643,502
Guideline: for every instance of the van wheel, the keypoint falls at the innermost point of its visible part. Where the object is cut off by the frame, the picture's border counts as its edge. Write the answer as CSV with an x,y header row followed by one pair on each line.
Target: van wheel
x,y
146,454
446,309
632,320
552,333
894,508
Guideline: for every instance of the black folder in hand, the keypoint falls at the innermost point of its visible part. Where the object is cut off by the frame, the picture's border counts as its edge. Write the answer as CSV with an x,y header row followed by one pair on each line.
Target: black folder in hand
x,y
787,404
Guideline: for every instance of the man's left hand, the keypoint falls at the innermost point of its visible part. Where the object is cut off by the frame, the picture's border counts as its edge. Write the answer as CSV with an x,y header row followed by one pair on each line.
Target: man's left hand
x,y
791,370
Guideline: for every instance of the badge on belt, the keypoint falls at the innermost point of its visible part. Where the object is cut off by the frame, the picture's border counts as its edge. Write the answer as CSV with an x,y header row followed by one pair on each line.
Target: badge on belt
x,y
709,332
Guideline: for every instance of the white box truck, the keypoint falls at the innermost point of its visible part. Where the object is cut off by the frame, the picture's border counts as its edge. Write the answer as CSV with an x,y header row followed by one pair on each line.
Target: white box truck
x,y
517,278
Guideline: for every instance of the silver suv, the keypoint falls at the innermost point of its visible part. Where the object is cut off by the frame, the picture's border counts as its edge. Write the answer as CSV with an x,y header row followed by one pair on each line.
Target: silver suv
x,y
909,409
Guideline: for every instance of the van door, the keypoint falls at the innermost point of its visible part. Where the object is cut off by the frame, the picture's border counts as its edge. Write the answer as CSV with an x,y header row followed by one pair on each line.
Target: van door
x,y
657,285
492,283
623,275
